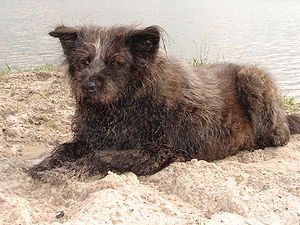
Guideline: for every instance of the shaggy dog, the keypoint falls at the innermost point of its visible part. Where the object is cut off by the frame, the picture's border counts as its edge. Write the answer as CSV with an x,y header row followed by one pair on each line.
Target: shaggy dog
x,y
139,109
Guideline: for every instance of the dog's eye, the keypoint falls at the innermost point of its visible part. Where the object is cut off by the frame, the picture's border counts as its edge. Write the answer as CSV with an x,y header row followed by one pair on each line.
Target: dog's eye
x,y
86,61
114,63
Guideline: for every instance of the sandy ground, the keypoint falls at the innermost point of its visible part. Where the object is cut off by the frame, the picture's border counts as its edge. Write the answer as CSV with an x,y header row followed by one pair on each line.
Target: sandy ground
x,y
260,187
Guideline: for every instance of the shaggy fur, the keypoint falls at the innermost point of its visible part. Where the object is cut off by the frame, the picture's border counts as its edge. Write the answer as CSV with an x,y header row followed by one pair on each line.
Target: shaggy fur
x,y
138,109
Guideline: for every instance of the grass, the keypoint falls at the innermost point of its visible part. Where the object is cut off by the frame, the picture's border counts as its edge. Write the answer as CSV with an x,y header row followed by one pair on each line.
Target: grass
x,y
199,62
203,54
199,222
48,123
17,107
7,69
45,95
290,105
48,67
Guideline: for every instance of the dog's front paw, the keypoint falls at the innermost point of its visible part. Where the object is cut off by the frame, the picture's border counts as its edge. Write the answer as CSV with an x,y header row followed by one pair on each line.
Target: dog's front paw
x,y
37,171
54,176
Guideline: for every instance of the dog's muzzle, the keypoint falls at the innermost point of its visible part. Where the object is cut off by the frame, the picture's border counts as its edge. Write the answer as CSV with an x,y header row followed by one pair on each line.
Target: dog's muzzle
x,y
88,87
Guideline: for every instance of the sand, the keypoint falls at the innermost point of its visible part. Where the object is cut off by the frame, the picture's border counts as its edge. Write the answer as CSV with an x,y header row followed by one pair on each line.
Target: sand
x,y
260,187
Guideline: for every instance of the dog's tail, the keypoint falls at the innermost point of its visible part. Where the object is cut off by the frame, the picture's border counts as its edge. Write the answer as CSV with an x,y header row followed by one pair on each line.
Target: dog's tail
x,y
294,123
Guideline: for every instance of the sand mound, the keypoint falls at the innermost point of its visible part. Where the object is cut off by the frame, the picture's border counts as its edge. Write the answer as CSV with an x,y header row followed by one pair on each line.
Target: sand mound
x,y
260,187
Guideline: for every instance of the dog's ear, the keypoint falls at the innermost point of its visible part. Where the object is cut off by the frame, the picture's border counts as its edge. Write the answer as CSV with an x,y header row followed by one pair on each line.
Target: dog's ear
x,y
144,43
67,37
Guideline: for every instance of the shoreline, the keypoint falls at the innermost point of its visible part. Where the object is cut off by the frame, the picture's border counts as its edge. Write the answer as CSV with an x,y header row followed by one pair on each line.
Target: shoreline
x,y
291,105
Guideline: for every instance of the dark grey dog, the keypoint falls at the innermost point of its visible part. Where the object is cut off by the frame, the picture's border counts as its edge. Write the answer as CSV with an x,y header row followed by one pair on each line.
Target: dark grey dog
x,y
138,109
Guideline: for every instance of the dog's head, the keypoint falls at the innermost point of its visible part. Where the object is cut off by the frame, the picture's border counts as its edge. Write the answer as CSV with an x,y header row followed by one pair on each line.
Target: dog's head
x,y
102,60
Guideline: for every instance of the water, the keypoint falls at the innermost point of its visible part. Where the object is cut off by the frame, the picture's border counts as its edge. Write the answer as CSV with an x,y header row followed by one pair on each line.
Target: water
x,y
263,32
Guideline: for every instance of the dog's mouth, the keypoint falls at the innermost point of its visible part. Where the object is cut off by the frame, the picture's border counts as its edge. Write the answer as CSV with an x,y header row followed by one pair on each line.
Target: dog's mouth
x,y
94,98
89,92
96,93
86,99
84,96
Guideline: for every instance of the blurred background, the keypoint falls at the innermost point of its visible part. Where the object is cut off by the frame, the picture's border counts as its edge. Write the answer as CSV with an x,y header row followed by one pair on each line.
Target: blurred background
x,y
260,32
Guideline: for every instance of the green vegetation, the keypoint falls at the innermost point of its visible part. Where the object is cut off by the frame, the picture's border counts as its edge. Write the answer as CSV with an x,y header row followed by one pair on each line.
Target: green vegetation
x,y
17,107
45,95
7,69
48,123
199,62
199,222
290,105
48,67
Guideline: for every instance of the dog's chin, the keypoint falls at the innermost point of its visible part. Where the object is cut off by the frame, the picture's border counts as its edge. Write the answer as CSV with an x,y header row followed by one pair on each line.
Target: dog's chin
x,y
95,99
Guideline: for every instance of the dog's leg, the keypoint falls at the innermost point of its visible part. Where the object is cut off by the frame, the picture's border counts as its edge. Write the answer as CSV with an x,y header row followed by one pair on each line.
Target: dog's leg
x,y
137,161
65,152
260,99
294,123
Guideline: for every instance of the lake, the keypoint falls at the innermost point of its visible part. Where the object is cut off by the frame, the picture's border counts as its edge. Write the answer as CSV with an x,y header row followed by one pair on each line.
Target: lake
x,y
262,32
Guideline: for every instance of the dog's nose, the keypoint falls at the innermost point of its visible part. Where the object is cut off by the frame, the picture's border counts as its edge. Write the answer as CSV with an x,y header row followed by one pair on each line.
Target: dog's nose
x,y
89,87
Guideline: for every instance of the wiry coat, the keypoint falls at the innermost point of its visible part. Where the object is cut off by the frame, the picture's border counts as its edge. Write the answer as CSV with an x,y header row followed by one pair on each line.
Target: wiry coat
x,y
138,109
